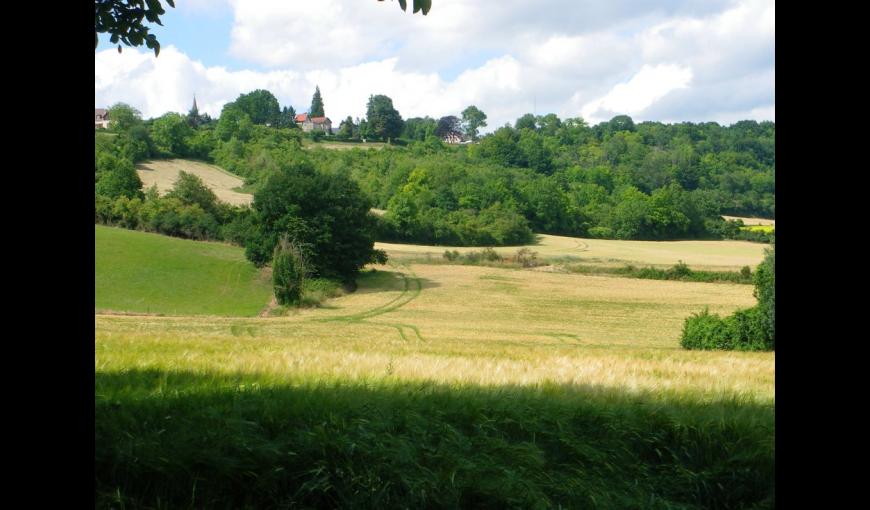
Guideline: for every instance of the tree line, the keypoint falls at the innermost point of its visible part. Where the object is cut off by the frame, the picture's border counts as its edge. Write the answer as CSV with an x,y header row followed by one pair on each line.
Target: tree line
x,y
616,179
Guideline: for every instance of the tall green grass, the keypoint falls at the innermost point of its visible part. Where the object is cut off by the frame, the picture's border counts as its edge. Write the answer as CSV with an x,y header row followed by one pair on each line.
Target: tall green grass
x,y
149,273
182,439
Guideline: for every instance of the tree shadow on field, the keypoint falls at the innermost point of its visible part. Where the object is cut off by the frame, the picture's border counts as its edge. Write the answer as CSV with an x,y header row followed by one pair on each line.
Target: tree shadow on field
x,y
208,440
372,281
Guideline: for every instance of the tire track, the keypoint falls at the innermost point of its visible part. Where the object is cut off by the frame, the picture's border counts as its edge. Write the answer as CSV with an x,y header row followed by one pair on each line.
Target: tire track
x,y
412,289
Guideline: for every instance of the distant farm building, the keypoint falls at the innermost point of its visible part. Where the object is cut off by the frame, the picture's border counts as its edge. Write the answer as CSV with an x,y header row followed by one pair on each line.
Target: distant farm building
x,y
101,118
452,138
313,123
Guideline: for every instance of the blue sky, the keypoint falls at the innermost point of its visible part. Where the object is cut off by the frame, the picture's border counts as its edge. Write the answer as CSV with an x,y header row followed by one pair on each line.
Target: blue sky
x,y
670,61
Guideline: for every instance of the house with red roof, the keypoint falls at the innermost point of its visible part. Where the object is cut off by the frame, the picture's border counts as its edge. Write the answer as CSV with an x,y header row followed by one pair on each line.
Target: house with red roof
x,y
308,123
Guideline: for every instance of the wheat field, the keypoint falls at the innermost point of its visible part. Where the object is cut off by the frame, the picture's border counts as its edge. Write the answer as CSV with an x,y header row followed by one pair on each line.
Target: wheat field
x,y
164,173
463,324
702,255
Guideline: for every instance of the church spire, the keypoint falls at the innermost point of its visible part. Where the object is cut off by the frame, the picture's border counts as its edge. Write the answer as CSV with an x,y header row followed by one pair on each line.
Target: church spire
x,y
194,104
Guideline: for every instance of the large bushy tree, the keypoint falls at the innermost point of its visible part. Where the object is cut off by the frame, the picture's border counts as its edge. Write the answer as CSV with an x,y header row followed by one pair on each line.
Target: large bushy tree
x,y
116,177
170,133
448,126
123,117
261,106
472,120
191,190
326,213
383,121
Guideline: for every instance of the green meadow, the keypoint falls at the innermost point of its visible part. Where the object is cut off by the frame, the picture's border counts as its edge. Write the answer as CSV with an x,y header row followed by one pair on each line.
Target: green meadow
x,y
148,273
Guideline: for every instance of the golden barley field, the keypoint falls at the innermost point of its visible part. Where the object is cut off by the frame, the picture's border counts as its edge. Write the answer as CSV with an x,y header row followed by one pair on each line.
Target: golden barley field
x,y
164,173
463,325
706,255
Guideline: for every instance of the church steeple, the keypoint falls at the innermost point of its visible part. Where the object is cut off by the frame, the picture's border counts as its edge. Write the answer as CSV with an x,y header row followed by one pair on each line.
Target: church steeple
x,y
193,115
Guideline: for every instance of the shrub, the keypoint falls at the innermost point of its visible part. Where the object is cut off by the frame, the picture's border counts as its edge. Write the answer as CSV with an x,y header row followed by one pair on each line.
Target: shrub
x,y
490,255
317,290
379,257
288,272
752,329
526,257
601,233
745,272
680,271
451,255
765,291
705,331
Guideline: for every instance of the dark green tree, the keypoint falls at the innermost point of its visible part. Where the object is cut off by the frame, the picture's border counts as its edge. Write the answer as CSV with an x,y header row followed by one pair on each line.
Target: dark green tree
x,y
472,120
346,129
384,121
621,123
419,128
316,109
448,126
191,190
287,118
116,177
260,105
170,133
123,117
326,213
527,121
233,122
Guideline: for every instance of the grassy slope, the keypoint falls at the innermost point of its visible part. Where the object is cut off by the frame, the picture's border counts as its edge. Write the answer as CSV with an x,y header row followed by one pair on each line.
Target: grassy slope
x,y
164,172
439,386
150,273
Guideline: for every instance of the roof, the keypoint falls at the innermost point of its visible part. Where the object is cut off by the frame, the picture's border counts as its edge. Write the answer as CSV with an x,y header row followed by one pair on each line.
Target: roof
x,y
100,111
301,117
320,120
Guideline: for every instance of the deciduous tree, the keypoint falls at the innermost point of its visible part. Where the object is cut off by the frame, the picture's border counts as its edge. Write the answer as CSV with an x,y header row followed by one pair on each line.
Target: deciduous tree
x,y
472,120
383,121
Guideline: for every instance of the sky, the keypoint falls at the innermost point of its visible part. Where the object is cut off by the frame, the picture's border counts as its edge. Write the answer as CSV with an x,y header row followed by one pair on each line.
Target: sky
x,y
668,61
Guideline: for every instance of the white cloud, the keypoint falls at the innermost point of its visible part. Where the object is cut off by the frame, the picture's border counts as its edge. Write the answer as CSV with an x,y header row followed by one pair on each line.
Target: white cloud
x,y
156,85
677,60
649,85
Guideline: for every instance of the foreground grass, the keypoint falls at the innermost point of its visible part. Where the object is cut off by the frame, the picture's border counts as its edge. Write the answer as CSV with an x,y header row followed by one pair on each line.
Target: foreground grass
x,y
186,439
150,273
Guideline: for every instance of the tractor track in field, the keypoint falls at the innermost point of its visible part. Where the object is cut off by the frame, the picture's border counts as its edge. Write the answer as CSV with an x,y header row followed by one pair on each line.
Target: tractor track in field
x,y
412,289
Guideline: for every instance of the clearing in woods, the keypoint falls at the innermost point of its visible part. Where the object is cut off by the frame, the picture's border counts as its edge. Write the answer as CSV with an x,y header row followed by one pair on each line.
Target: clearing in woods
x,y
164,173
